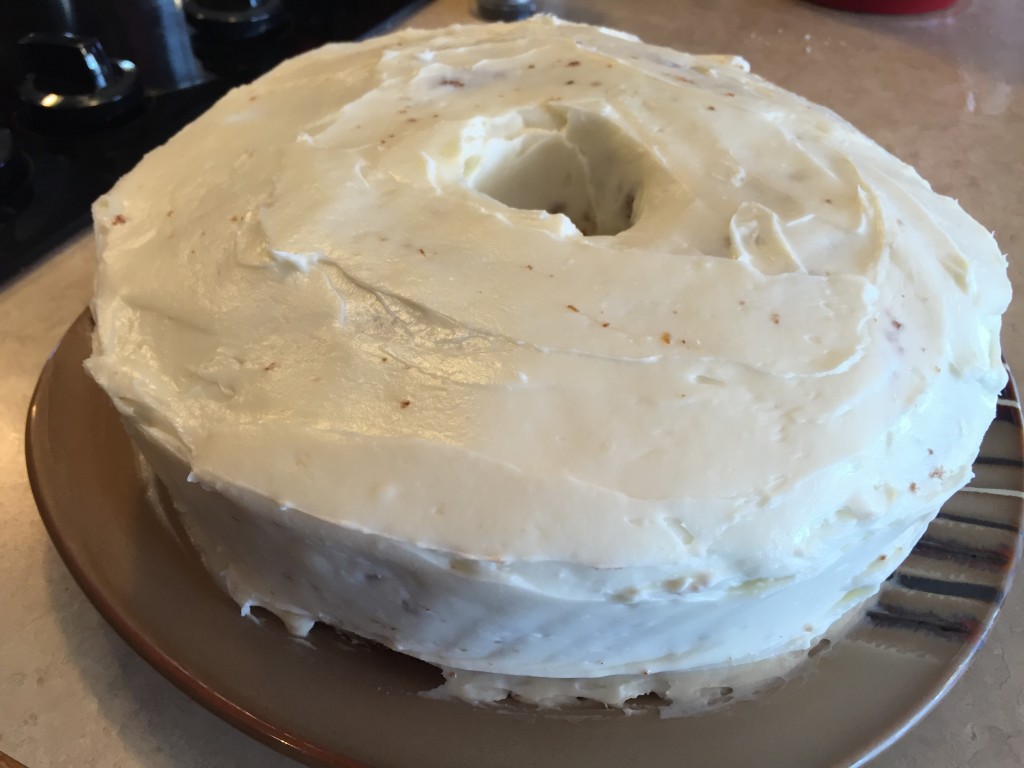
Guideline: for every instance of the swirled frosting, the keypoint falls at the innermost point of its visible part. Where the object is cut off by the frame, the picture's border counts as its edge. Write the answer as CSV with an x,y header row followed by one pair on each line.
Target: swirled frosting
x,y
537,350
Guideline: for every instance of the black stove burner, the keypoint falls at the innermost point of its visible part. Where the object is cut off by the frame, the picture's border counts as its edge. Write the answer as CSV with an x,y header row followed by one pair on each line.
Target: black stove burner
x,y
87,87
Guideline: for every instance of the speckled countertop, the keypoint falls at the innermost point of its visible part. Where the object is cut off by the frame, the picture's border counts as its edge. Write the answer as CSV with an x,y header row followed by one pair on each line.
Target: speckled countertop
x,y
943,91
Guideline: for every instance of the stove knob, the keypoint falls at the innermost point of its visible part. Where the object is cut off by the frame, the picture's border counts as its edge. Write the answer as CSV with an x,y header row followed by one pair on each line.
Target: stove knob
x,y
234,19
14,171
505,10
70,83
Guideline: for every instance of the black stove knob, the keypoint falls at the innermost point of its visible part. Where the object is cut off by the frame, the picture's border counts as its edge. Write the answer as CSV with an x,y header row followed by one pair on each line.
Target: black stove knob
x,y
69,82
505,10
234,19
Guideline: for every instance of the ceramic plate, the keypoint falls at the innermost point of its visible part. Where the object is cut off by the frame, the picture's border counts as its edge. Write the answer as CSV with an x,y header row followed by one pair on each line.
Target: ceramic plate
x,y
330,701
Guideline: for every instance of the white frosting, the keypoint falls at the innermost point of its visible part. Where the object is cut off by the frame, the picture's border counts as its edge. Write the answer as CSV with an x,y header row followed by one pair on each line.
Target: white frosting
x,y
674,425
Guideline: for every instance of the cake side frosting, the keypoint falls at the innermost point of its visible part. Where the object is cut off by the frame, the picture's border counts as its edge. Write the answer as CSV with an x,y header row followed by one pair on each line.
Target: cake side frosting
x,y
533,321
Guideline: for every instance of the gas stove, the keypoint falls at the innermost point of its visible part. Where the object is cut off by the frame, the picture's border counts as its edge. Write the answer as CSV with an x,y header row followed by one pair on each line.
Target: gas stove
x,y
87,87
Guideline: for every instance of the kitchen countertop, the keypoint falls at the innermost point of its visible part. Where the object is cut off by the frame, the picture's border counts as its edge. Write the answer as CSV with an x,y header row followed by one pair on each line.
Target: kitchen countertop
x,y
944,92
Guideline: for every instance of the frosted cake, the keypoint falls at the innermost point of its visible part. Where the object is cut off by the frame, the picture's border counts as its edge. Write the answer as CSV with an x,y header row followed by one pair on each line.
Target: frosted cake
x,y
536,351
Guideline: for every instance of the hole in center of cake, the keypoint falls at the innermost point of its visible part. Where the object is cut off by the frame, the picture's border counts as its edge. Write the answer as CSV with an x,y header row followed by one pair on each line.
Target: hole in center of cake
x,y
539,160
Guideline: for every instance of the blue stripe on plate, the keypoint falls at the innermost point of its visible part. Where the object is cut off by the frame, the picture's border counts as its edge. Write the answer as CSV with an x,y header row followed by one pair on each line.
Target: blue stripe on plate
x,y
966,520
964,589
896,617
961,552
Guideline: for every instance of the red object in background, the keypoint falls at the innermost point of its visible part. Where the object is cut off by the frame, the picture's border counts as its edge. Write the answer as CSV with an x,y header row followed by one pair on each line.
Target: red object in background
x,y
887,6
